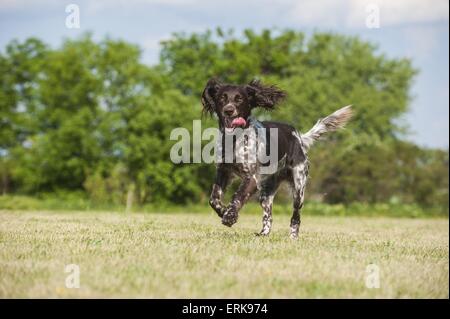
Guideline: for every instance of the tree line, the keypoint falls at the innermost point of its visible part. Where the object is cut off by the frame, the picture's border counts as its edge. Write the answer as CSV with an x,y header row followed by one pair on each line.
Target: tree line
x,y
90,116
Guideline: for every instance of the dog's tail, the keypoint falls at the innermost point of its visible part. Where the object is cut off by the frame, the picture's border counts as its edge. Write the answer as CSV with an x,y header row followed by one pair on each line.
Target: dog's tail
x,y
331,123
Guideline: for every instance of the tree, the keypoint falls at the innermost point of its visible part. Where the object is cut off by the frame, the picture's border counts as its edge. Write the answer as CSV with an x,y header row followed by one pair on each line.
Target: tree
x,y
320,74
89,116
94,111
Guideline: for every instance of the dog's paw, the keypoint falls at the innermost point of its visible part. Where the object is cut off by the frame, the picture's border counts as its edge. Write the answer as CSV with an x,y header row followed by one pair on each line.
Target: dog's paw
x,y
229,218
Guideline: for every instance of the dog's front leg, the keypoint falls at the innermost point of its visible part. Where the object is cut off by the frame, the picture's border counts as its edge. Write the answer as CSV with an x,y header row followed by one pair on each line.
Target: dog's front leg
x,y
245,190
215,200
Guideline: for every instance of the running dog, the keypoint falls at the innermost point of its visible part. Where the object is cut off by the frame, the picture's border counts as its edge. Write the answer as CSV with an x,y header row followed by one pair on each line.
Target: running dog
x,y
233,105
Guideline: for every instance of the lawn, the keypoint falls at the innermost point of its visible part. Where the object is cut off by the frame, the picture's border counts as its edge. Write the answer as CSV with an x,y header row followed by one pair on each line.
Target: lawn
x,y
193,256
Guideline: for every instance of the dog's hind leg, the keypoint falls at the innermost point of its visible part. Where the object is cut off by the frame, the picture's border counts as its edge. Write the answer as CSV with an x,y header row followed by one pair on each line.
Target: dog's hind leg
x,y
266,202
299,178
268,190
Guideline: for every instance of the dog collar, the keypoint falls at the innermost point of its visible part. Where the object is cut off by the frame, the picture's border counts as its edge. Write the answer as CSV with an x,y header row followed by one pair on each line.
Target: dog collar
x,y
257,125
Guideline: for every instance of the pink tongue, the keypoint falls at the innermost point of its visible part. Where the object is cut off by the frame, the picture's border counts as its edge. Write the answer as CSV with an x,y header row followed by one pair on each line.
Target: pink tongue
x,y
239,121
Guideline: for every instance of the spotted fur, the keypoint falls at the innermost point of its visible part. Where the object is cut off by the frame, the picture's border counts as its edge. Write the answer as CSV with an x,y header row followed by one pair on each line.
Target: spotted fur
x,y
292,164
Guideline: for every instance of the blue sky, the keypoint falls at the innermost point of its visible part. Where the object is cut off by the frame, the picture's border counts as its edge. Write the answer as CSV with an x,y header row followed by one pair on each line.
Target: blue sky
x,y
417,29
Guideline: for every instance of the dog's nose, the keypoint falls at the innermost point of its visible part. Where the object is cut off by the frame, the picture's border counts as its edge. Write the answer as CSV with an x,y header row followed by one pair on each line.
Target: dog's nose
x,y
229,110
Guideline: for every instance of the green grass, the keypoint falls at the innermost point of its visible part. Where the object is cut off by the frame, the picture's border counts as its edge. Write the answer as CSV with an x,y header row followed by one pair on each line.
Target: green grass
x,y
70,201
193,256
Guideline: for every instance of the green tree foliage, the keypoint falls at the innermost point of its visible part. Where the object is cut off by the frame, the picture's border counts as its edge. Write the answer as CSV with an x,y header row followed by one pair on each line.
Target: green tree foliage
x,y
322,73
90,116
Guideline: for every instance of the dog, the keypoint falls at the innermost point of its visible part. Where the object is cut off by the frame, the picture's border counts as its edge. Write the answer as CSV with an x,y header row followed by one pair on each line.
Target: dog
x,y
233,104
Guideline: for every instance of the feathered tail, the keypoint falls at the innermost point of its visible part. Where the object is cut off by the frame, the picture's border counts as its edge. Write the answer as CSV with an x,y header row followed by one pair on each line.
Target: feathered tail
x,y
331,123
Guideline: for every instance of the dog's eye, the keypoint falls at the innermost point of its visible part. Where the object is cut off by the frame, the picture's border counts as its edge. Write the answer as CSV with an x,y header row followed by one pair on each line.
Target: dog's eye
x,y
223,97
238,98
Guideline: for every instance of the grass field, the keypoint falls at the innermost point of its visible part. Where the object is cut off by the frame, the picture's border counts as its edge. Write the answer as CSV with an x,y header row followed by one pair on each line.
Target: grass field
x,y
194,256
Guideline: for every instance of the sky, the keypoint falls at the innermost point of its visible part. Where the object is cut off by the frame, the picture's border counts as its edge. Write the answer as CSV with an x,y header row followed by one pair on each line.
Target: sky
x,y
417,29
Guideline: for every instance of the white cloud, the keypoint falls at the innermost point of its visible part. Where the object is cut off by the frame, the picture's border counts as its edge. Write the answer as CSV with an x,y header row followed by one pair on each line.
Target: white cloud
x,y
353,14
6,5
398,12
313,13
99,5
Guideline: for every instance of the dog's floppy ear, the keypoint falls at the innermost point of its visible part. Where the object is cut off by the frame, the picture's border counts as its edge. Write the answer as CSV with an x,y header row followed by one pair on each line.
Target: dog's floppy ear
x,y
265,96
209,95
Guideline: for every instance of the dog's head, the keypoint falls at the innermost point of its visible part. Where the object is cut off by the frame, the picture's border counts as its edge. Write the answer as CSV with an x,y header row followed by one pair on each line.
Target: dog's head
x,y
233,103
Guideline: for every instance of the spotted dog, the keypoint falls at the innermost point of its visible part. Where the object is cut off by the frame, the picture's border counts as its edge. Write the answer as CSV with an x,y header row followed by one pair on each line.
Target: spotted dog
x,y
233,105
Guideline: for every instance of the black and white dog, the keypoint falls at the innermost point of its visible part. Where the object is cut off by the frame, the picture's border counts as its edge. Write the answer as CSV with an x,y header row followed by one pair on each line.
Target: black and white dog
x,y
233,105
